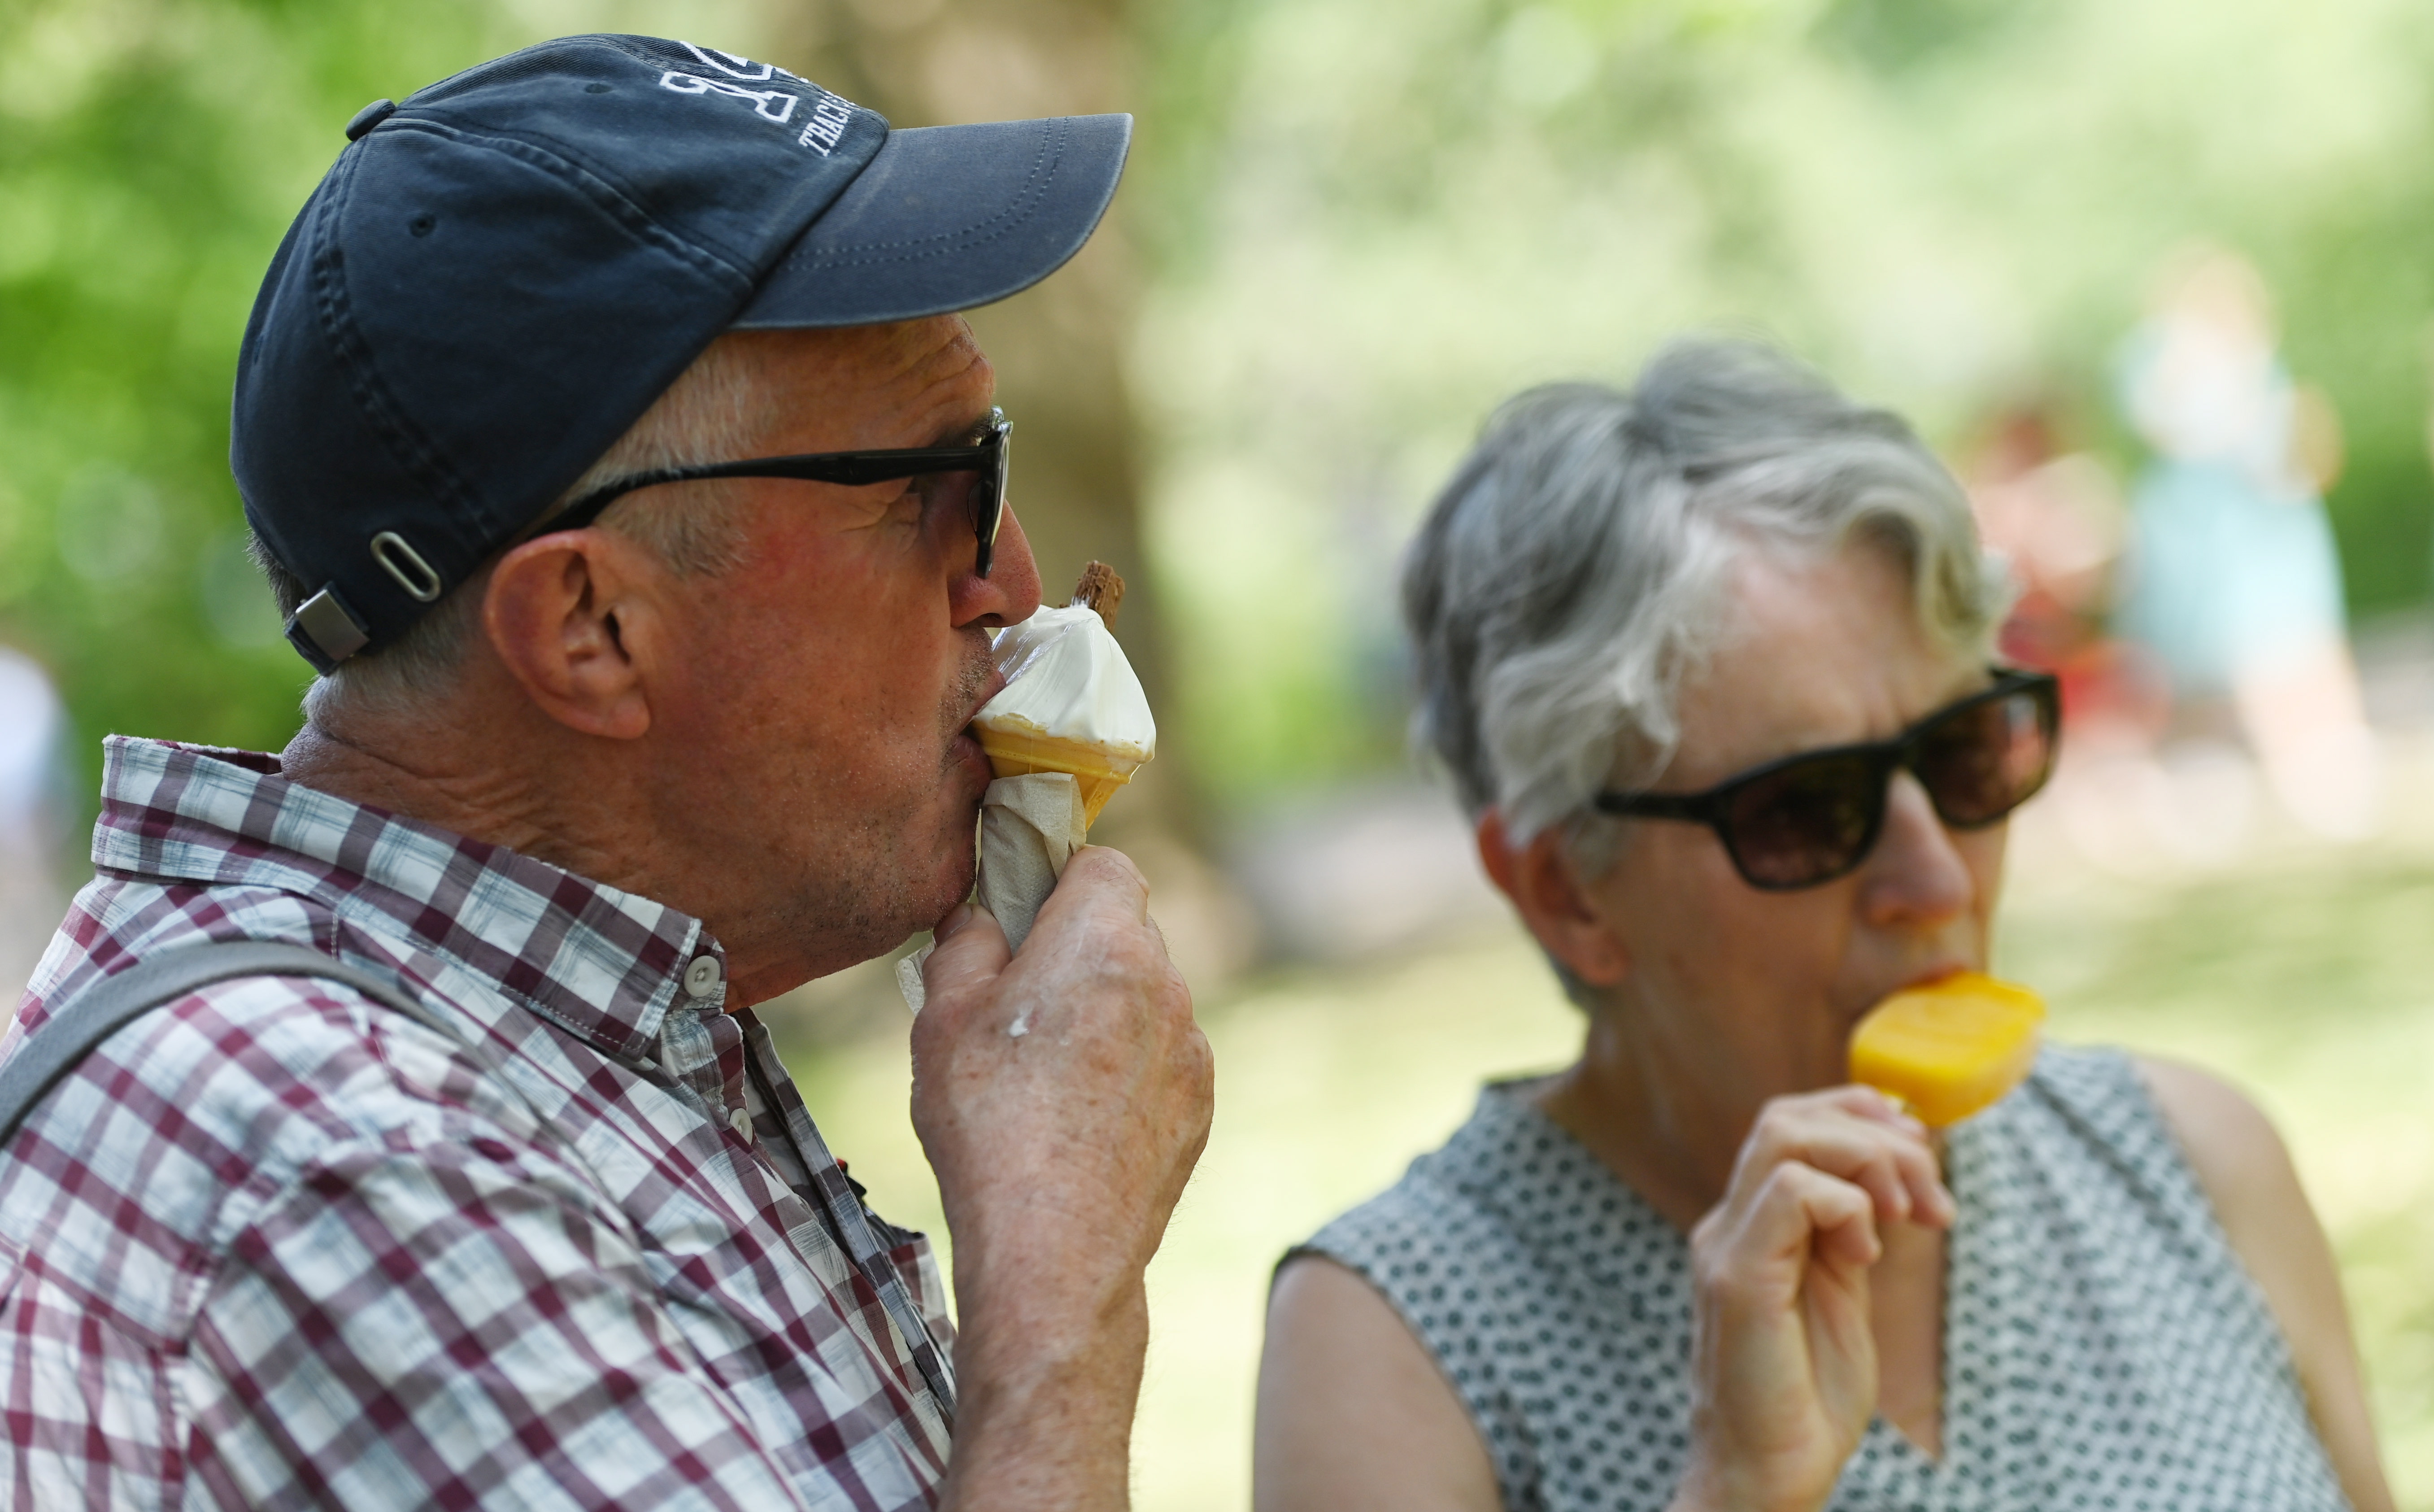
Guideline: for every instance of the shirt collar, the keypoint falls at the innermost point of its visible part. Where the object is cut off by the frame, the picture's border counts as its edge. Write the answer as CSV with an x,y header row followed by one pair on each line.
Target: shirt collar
x,y
603,963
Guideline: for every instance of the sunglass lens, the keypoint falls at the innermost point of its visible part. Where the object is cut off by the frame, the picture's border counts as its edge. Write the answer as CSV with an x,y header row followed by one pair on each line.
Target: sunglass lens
x,y
989,502
1805,823
974,494
1987,760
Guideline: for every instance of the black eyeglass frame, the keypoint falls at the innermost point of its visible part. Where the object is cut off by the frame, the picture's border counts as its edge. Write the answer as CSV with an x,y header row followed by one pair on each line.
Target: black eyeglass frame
x,y
1884,758
986,457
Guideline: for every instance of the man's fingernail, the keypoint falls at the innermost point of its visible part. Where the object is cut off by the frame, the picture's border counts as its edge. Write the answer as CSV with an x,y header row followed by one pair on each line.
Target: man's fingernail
x,y
957,919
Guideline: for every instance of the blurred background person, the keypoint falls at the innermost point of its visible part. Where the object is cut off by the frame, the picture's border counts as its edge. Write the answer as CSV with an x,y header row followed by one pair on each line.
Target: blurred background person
x,y
1709,664
32,818
2233,578
2053,520
2051,517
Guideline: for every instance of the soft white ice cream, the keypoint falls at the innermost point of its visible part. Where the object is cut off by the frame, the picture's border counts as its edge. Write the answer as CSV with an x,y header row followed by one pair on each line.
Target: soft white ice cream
x,y
1067,680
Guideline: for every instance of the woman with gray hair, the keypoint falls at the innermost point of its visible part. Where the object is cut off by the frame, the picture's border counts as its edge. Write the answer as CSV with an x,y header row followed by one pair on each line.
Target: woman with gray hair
x,y
1709,663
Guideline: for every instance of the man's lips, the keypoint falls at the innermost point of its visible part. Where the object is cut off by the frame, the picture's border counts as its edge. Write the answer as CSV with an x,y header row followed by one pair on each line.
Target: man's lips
x,y
990,688
965,749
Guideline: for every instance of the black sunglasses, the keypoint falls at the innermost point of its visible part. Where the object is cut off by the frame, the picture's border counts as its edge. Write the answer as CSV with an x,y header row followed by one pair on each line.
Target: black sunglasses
x,y
985,460
1810,819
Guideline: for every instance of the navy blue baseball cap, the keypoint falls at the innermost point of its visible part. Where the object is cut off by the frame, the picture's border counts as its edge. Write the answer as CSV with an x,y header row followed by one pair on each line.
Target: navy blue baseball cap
x,y
501,274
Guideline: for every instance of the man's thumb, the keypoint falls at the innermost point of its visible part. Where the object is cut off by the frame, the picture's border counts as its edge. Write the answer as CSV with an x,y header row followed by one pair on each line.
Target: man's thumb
x,y
970,949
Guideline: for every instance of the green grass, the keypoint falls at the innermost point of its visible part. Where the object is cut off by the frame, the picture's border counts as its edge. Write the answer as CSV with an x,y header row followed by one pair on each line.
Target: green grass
x,y
2304,972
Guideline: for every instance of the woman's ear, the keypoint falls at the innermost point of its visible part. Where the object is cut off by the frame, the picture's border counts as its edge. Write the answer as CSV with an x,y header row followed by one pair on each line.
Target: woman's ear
x,y
1546,887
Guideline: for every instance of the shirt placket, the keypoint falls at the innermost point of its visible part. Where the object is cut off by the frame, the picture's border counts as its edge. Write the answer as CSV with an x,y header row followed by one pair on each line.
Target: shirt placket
x,y
705,1049
850,1222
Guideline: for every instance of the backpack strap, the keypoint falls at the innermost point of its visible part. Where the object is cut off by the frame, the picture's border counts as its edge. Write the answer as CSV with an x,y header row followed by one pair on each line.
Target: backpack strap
x,y
81,1024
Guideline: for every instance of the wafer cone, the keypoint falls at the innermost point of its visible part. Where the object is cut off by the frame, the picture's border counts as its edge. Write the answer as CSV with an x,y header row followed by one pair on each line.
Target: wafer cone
x,y
1015,750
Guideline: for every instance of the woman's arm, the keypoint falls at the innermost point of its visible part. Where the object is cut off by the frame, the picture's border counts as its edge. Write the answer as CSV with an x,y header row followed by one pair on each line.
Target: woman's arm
x,y
1353,1412
2247,1174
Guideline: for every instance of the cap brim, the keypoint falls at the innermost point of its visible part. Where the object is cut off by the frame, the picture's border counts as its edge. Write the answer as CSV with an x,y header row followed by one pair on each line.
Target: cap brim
x,y
947,217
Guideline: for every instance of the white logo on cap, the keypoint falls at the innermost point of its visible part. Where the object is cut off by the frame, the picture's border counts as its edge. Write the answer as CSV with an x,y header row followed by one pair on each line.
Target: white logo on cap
x,y
772,104
735,65
830,116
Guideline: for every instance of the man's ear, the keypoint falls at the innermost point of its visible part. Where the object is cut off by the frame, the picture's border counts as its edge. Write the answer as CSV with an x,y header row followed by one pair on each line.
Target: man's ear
x,y
574,618
1546,890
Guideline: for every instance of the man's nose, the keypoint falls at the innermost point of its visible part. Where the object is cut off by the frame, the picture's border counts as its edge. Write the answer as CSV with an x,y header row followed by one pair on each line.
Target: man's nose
x,y
1010,593
1917,876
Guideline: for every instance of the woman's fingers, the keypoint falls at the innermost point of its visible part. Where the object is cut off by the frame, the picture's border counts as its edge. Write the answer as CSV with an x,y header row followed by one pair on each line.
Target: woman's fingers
x,y
1785,1365
1856,1135
1868,1103
1766,1242
1785,1374
1840,1218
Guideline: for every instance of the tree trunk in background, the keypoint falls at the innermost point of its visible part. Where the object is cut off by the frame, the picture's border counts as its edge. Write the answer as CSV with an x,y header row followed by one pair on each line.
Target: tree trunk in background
x,y
1059,350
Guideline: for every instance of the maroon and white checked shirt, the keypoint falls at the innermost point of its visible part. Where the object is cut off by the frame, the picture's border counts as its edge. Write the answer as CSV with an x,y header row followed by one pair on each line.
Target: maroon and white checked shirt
x,y
276,1245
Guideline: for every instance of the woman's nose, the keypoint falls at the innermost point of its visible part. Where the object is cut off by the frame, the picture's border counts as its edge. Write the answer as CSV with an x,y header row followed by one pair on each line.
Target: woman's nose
x,y
1916,877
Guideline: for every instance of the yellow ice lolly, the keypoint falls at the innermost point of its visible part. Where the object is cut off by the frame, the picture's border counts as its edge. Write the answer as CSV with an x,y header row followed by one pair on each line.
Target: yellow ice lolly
x,y
1950,1047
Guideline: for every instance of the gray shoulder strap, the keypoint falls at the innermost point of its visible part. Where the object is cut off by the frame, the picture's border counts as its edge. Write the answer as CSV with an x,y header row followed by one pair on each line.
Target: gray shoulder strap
x,y
110,1004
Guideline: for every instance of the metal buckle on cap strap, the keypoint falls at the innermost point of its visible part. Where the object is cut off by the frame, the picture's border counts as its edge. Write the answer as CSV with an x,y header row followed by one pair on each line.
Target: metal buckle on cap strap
x,y
325,632
401,562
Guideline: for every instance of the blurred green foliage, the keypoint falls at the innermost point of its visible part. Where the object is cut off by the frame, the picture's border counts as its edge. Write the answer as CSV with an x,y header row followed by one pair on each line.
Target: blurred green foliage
x,y
1367,222
1375,218
151,154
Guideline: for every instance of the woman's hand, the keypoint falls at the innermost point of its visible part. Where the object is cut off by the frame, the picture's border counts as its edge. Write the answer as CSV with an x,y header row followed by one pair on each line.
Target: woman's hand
x,y
1784,1367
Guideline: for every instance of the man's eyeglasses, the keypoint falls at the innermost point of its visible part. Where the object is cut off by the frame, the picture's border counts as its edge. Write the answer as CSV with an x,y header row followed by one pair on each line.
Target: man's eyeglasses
x,y
1807,820
978,470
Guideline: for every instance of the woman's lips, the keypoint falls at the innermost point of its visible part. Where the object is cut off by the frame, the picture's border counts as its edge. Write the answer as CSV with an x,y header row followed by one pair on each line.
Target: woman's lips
x,y
1921,977
1935,973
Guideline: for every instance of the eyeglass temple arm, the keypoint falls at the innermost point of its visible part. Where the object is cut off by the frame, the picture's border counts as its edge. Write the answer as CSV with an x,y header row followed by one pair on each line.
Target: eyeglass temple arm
x,y
853,468
1656,805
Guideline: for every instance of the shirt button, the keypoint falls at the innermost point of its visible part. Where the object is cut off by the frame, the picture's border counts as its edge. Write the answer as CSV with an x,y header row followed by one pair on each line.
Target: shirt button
x,y
701,977
741,1120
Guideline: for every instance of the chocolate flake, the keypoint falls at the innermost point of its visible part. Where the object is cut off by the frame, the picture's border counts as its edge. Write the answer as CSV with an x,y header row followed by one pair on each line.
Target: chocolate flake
x,y
1100,590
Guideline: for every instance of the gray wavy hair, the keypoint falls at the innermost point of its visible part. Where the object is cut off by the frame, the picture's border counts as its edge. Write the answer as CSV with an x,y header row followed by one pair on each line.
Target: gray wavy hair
x,y
1572,570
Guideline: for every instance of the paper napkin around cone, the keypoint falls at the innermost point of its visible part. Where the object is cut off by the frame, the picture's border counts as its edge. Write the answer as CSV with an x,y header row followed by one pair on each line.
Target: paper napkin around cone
x,y
1030,827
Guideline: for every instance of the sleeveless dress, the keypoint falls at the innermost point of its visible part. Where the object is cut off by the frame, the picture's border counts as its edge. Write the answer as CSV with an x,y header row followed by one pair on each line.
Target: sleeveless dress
x,y
2104,1348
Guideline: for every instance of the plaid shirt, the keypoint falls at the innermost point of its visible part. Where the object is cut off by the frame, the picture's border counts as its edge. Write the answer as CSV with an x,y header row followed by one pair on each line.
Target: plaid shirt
x,y
276,1245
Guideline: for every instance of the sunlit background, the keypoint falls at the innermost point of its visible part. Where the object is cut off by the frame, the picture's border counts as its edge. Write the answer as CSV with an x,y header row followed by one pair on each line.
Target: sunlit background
x,y
1350,228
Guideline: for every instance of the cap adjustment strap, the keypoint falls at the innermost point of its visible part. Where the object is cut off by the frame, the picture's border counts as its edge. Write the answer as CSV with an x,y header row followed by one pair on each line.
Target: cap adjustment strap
x,y
325,632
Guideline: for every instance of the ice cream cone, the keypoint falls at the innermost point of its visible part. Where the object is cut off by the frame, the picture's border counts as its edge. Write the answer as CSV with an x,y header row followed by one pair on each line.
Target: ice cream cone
x,y
1015,750
1071,702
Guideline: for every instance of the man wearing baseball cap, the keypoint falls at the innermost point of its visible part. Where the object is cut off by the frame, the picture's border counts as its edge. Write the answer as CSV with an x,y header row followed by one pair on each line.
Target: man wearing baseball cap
x,y
389,1124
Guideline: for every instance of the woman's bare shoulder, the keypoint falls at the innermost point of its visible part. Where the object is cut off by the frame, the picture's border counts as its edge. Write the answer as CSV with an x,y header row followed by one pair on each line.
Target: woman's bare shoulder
x,y
1353,1410
2232,1148
2247,1174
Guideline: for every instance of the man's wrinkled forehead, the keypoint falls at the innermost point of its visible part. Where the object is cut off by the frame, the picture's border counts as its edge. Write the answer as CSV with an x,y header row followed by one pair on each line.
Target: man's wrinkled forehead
x,y
927,380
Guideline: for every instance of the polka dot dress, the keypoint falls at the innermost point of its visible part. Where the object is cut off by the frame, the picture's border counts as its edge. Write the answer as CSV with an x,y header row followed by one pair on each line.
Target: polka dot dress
x,y
2104,1348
